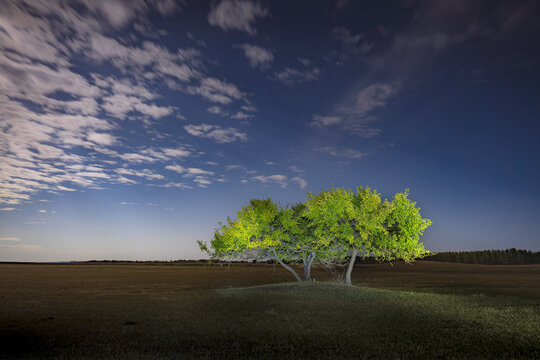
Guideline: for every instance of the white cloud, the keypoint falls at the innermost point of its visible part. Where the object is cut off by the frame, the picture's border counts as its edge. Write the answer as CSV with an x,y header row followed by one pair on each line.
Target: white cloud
x,y
144,173
322,121
101,138
296,169
190,172
217,110
345,153
57,120
22,246
152,155
177,168
291,77
217,91
278,179
120,105
301,182
248,108
42,211
216,133
354,114
7,209
175,185
9,239
257,56
236,15
370,98
202,182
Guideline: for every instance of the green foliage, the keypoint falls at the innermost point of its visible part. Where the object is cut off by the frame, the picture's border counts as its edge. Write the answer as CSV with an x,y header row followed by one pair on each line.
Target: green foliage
x,y
404,226
258,226
362,221
323,229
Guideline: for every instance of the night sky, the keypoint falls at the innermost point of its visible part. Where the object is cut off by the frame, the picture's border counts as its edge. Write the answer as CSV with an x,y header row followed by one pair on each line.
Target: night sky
x,y
129,129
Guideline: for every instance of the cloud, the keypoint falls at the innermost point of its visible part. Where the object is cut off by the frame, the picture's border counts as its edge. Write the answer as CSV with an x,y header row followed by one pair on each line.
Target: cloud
x,y
177,168
7,209
295,169
278,179
22,246
175,185
202,182
190,172
217,91
9,239
291,77
216,133
144,173
345,153
236,15
101,138
119,105
127,203
355,114
119,13
152,155
370,98
301,182
257,56
322,121
351,45
69,71
217,110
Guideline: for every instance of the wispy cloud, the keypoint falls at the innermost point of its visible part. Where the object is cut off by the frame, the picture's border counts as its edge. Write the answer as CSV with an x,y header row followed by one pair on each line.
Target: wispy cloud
x,y
216,133
22,246
344,153
301,182
9,239
291,77
237,15
356,113
257,56
281,180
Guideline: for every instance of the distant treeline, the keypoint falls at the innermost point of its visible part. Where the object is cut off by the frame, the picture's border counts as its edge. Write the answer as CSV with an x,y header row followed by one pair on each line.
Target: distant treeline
x,y
488,257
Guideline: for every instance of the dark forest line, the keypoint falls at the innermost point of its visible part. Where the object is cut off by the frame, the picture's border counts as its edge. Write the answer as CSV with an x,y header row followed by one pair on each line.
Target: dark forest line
x,y
487,257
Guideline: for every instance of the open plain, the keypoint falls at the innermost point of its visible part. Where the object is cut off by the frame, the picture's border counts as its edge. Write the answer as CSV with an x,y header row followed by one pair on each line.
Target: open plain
x,y
178,311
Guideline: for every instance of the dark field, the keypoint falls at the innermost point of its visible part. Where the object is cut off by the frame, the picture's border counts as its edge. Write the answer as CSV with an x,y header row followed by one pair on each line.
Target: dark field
x,y
169,311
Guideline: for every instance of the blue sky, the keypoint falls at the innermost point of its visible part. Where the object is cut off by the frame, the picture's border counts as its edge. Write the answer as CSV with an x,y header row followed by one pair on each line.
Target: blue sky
x,y
128,129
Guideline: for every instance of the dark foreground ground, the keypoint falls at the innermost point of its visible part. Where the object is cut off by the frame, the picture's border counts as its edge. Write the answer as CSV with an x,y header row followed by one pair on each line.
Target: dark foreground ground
x,y
150,311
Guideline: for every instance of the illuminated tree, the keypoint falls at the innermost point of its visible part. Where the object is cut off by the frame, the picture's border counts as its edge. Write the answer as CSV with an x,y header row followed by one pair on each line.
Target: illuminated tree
x,y
362,223
265,230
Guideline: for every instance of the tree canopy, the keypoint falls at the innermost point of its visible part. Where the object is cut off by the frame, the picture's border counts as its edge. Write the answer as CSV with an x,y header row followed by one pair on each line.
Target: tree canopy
x,y
325,228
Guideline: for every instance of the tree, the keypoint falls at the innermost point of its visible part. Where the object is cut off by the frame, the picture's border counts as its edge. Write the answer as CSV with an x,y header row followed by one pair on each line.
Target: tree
x,y
263,229
362,222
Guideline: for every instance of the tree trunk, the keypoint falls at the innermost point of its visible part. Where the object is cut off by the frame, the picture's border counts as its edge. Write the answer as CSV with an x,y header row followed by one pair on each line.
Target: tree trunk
x,y
350,267
307,265
287,267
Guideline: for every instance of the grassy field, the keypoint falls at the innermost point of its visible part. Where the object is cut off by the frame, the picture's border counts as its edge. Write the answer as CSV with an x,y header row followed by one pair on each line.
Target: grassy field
x,y
169,311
